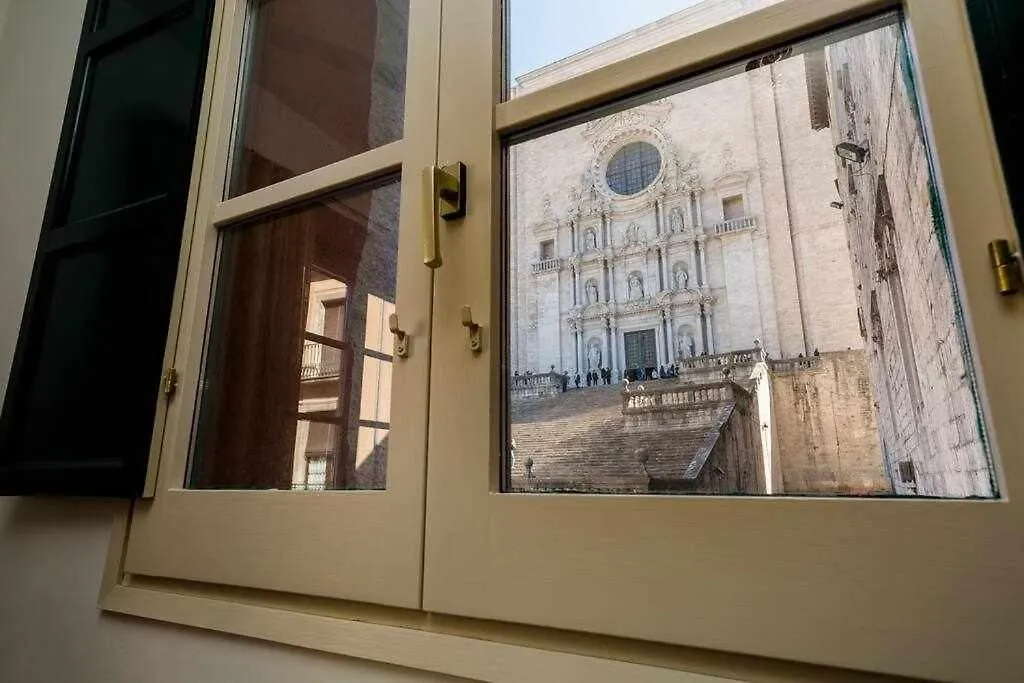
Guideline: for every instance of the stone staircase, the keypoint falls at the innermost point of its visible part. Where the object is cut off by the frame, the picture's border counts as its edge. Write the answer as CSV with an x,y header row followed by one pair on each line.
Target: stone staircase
x,y
581,441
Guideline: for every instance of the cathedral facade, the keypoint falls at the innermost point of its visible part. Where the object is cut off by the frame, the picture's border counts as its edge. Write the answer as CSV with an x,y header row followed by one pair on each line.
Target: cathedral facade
x,y
699,223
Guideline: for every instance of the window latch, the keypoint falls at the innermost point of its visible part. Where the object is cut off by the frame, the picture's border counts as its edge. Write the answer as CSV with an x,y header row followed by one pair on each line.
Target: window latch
x,y
401,337
447,200
475,338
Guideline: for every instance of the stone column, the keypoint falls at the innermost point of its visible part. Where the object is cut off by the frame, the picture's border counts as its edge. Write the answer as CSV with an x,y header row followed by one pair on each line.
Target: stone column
x,y
702,250
705,346
610,293
698,224
577,294
579,348
613,328
661,269
711,331
607,337
671,335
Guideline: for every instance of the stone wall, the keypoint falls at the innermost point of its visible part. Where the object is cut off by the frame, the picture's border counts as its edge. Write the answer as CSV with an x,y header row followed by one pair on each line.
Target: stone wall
x,y
824,426
931,428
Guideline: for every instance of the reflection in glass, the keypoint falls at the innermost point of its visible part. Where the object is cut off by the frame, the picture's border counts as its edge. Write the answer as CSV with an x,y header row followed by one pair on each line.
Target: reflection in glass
x,y
541,51
297,386
766,315
322,81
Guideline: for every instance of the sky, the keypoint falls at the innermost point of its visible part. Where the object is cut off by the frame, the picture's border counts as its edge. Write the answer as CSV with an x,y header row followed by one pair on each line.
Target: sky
x,y
544,31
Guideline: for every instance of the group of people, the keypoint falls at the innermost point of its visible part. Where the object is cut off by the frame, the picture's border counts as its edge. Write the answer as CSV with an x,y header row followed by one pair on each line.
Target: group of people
x,y
594,377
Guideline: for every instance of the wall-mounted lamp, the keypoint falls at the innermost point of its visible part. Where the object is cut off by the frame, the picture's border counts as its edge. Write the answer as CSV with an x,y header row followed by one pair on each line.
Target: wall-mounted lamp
x,y
852,152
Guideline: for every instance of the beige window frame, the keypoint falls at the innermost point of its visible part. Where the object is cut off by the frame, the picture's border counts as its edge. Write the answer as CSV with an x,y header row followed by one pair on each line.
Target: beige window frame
x,y
904,587
298,541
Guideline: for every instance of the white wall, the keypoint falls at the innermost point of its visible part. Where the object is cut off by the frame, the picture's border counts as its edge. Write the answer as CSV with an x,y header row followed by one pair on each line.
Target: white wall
x,y
52,551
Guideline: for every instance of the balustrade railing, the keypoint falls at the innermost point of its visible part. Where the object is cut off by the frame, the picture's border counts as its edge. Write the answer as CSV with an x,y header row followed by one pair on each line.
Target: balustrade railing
x,y
793,364
546,265
319,361
543,379
743,357
734,224
670,397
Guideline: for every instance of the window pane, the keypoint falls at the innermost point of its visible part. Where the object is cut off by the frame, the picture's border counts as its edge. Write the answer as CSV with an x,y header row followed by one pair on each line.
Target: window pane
x,y
745,323
321,81
541,51
298,354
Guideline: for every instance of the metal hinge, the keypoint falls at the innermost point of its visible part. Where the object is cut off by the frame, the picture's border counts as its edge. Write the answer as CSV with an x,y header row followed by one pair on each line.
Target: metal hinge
x,y
169,382
1006,266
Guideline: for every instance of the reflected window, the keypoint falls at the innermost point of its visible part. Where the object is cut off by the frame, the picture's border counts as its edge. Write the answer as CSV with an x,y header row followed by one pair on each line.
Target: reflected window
x,y
298,358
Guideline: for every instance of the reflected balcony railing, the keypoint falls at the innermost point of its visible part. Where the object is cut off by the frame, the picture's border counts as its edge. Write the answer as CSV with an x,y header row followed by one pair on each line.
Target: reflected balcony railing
x,y
320,361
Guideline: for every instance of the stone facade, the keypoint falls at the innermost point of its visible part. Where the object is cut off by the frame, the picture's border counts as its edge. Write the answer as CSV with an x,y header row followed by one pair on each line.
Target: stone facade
x,y
734,239
823,426
931,429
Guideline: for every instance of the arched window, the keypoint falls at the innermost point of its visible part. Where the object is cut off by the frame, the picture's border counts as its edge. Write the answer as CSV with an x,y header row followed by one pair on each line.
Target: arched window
x,y
633,168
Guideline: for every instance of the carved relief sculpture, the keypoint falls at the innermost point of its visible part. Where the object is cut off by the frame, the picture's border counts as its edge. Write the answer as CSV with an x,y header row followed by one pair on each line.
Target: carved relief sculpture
x,y
636,286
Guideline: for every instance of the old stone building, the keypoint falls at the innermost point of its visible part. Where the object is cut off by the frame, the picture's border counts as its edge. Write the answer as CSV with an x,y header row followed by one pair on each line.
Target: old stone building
x,y
925,393
728,232
693,224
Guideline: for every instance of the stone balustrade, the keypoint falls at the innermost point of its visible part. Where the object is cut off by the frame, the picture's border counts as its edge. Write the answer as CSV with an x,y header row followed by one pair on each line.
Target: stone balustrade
x,y
657,396
540,384
793,364
546,265
735,224
743,357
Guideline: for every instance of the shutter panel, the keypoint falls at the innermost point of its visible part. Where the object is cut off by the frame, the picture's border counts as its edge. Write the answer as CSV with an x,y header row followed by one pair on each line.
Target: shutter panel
x,y
79,410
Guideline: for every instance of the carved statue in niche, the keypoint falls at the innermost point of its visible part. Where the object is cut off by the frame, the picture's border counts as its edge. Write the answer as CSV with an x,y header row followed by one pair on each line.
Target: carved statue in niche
x,y
682,277
549,213
636,286
676,219
590,240
686,346
594,354
592,294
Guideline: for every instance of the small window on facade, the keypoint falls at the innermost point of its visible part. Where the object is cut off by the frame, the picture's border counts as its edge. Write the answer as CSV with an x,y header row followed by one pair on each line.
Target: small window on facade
x,y
907,473
547,250
633,168
732,207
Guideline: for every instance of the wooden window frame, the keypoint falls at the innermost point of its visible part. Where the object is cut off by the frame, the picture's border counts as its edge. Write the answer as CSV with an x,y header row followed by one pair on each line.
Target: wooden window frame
x,y
493,560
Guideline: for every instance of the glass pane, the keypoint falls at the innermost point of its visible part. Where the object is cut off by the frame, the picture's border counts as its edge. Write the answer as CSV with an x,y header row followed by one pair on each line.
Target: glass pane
x,y
298,358
540,50
321,81
772,312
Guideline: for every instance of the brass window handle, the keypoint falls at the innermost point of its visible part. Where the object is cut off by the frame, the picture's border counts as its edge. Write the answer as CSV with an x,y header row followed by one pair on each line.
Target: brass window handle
x,y
447,200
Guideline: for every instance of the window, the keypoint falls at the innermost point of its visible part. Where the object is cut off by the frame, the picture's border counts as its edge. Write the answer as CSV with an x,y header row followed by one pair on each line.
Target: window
x,y
906,470
732,208
633,168
547,250
719,416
